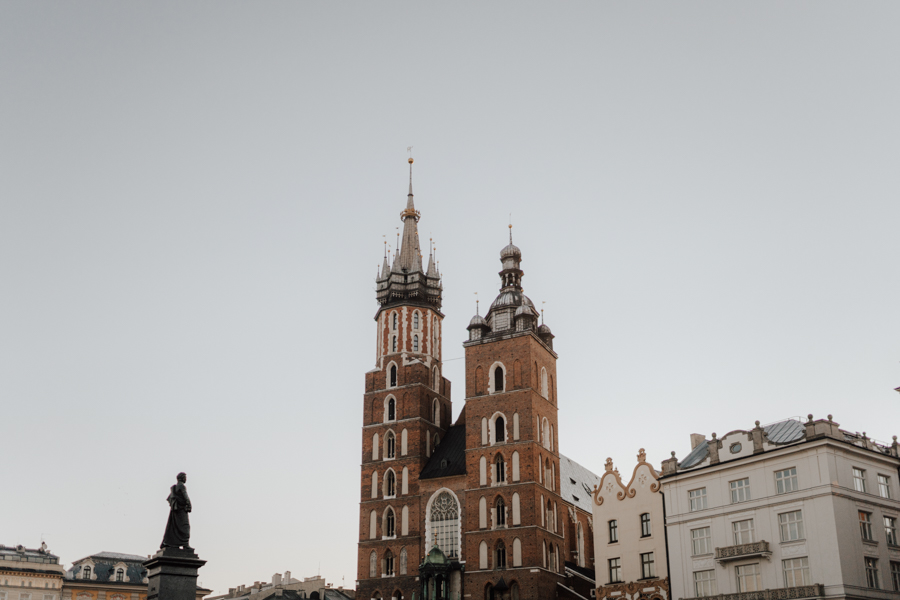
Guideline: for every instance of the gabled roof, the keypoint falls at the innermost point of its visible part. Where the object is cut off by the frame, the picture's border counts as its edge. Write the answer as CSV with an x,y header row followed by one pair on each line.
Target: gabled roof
x,y
449,457
576,483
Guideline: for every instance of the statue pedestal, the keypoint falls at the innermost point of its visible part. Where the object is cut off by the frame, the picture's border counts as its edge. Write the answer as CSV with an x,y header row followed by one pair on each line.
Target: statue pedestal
x,y
173,574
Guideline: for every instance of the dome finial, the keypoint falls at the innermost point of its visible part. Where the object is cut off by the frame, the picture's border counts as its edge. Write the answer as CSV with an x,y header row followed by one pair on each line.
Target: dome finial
x,y
476,303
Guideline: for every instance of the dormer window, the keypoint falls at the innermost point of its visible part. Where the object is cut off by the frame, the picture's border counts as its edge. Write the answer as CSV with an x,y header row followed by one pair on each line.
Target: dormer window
x,y
120,574
86,573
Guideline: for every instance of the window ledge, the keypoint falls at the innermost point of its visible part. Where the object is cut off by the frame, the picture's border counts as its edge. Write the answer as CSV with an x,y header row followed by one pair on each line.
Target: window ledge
x,y
870,542
708,554
793,542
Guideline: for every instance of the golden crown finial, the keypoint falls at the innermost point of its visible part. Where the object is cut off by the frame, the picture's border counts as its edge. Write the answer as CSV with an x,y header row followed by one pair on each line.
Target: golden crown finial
x,y
410,160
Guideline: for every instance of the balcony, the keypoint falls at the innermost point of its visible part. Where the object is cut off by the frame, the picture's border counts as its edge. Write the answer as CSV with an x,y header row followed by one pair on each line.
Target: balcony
x,y
740,551
805,591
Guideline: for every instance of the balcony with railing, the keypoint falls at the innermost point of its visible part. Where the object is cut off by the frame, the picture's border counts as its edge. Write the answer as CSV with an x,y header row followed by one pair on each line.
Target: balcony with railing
x,y
740,551
804,591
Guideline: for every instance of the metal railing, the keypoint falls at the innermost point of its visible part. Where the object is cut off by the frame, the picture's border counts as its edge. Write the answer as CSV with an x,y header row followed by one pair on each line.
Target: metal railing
x,y
804,591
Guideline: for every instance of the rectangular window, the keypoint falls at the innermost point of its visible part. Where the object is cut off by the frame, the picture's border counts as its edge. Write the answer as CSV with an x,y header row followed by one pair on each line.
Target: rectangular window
x,y
743,532
865,525
890,530
615,570
740,490
648,570
613,531
796,572
786,481
859,480
884,486
698,499
748,578
791,525
895,576
645,525
705,584
701,542
872,573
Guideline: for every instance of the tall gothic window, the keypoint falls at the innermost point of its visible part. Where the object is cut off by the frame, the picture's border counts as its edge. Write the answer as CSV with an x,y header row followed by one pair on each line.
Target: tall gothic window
x,y
415,320
395,322
403,561
437,413
500,556
394,344
415,343
390,445
394,369
389,522
498,379
390,484
499,429
392,412
388,563
500,468
373,564
500,507
445,524
437,379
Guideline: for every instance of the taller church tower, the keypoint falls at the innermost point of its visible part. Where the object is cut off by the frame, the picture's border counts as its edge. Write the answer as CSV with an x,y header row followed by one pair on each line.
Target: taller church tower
x,y
406,413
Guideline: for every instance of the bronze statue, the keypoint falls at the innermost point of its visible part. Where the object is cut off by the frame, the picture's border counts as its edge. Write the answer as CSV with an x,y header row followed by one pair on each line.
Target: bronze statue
x,y
178,529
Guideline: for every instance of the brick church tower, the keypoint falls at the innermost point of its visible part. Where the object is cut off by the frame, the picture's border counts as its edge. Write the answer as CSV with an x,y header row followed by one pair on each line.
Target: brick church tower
x,y
485,507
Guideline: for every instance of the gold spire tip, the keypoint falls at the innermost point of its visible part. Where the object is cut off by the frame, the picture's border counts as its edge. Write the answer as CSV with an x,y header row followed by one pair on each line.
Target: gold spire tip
x,y
410,161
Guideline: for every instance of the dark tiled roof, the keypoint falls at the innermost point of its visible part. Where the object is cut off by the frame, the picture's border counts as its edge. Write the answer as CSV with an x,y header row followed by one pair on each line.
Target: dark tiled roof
x,y
576,483
449,457
104,567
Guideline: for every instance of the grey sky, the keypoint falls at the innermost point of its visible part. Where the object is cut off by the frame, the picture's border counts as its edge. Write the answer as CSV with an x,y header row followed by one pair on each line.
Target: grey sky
x,y
192,204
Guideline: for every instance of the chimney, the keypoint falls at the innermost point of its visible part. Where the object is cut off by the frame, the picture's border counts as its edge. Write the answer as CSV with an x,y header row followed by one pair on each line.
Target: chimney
x,y
276,579
287,578
697,439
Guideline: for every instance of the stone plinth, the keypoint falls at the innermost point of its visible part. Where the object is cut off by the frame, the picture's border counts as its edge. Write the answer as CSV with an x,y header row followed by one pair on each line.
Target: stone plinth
x,y
173,574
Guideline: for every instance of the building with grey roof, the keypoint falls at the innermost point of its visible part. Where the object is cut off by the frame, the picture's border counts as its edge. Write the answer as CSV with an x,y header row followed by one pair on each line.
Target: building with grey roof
x,y
29,574
109,576
794,509
285,587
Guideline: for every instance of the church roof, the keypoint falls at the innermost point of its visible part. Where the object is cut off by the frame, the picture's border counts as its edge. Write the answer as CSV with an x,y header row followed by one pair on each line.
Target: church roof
x,y
449,457
576,483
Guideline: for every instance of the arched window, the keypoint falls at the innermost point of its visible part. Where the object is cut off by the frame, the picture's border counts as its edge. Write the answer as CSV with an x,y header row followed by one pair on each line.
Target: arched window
x,y
500,469
498,378
550,524
375,446
514,593
390,445
436,412
388,563
437,380
86,573
391,409
394,343
390,484
517,553
402,562
499,430
544,382
545,433
500,555
416,320
415,343
374,484
390,522
516,510
552,558
394,369
373,564
444,521
395,321
488,589
500,512
120,574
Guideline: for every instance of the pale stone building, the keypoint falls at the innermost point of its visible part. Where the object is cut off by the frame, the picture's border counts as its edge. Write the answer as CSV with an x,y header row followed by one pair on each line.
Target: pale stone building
x,y
27,574
109,576
629,535
285,587
796,509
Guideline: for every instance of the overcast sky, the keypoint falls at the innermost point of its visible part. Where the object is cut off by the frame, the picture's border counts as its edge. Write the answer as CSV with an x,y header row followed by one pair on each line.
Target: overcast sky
x,y
193,198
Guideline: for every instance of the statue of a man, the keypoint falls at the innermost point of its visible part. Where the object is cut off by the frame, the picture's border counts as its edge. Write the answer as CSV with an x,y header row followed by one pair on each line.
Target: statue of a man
x,y
178,529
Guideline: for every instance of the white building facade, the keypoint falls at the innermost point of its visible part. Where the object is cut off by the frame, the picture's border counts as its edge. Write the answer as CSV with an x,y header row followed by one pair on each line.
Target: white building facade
x,y
629,535
791,510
